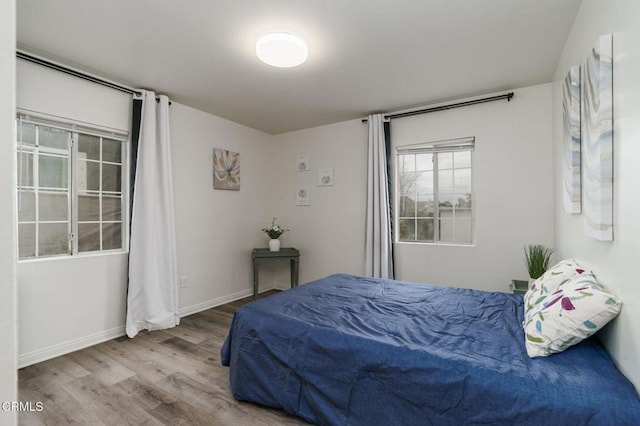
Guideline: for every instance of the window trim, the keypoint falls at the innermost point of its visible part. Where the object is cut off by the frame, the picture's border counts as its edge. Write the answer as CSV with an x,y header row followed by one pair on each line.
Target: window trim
x,y
75,128
440,146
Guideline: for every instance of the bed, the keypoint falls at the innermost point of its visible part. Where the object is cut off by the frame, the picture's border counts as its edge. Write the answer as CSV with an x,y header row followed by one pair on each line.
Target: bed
x,y
349,350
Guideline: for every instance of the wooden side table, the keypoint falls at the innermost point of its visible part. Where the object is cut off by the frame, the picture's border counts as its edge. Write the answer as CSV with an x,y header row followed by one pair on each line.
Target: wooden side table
x,y
258,254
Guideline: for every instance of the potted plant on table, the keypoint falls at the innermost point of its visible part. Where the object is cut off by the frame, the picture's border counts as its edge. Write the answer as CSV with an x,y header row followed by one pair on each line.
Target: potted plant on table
x,y
274,232
537,258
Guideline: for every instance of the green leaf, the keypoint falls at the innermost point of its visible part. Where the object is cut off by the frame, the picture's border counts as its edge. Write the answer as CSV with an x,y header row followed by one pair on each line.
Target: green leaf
x,y
534,339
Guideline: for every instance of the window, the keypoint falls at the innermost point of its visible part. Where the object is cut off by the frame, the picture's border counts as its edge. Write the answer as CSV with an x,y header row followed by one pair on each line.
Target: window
x,y
434,192
71,197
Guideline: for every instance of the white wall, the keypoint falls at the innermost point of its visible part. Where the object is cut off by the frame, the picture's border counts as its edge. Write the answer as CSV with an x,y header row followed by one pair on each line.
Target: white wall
x,y
68,303
513,197
615,263
330,232
216,229
8,359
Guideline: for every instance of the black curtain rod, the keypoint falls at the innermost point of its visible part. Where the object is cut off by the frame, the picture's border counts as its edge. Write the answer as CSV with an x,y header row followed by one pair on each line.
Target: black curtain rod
x,y
506,96
74,73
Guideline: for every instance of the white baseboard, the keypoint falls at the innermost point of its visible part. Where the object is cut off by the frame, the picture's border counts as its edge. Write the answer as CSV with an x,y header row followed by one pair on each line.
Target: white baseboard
x,y
53,351
64,348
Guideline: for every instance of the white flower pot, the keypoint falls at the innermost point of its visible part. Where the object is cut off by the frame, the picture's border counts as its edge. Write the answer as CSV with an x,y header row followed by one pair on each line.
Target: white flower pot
x,y
274,245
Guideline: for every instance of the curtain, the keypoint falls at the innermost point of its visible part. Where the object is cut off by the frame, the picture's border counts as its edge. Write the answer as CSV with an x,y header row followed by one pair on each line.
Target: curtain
x,y
152,299
378,240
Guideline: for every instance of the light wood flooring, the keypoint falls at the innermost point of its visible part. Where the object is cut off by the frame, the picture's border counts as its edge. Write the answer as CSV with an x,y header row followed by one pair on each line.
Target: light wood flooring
x,y
169,377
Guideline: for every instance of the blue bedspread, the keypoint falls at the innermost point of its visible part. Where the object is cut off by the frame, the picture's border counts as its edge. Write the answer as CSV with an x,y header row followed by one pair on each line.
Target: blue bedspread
x,y
348,350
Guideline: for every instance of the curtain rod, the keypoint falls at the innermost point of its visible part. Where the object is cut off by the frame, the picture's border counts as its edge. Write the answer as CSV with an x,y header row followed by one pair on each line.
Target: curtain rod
x,y
506,96
61,68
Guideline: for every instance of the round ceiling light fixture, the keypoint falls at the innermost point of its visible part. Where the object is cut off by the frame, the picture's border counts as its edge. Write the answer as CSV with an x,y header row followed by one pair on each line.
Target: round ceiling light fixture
x,y
282,50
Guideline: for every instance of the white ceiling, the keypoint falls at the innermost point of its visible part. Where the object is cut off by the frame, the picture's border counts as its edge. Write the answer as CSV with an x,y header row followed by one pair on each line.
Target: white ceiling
x,y
364,55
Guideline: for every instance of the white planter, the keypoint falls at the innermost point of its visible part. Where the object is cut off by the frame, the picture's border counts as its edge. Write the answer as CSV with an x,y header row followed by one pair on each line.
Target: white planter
x,y
274,245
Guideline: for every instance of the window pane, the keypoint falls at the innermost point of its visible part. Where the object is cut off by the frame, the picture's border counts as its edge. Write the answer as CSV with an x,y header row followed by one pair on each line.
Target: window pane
x,y
462,180
111,208
447,227
88,176
445,160
25,169
111,176
26,240
111,151
407,206
88,207
26,206
424,230
407,163
88,147
407,230
445,180
462,159
111,236
424,204
53,238
53,206
28,134
53,172
425,181
424,161
53,138
407,184
88,237
463,201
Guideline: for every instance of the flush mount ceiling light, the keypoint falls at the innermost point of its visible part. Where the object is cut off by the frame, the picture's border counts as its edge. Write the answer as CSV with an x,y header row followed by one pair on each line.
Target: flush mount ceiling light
x,y
282,50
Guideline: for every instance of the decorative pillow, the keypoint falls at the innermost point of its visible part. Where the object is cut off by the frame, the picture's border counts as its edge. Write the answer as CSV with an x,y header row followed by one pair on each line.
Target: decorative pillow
x,y
577,309
551,280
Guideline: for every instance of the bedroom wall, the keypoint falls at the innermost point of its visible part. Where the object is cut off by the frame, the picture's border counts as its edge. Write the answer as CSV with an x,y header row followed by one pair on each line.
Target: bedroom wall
x,y
330,231
615,263
8,358
216,229
513,183
72,302
513,139
68,303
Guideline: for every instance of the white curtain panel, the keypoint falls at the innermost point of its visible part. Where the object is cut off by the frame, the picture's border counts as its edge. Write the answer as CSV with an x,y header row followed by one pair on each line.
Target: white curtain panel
x,y
152,300
378,253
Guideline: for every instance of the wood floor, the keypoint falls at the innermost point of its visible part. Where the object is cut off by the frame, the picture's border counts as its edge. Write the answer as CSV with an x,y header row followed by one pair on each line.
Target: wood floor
x,y
169,377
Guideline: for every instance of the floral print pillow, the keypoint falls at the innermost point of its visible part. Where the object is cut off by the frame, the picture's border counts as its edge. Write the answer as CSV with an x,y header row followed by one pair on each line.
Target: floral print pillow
x,y
549,282
578,308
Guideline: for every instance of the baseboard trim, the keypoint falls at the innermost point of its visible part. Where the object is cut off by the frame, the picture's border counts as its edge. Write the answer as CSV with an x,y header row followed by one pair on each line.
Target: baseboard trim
x,y
212,303
64,348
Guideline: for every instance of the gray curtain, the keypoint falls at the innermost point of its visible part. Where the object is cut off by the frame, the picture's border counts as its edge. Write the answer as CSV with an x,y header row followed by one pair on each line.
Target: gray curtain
x,y
378,239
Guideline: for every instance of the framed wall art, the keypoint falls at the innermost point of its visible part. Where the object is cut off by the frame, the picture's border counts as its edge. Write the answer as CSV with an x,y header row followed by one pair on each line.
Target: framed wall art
x,y
571,182
597,140
226,169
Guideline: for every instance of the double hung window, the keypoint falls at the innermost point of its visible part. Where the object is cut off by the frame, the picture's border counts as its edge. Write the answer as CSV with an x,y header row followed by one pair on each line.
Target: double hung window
x,y
434,192
71,197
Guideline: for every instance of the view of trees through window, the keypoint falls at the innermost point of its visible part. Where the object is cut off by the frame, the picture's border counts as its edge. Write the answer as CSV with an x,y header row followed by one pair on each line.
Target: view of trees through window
x,y
434,196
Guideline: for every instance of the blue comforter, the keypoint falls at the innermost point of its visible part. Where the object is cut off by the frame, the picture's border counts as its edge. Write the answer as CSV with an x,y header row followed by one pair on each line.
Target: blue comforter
x,y
348,350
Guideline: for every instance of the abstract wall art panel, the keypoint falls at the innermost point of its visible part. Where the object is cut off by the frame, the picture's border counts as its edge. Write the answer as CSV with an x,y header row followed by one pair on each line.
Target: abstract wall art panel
x,y
571,198
597,137
226,169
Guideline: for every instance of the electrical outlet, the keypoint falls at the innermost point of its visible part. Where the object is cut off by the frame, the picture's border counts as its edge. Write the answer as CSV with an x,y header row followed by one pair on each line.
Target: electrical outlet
x,y
183,282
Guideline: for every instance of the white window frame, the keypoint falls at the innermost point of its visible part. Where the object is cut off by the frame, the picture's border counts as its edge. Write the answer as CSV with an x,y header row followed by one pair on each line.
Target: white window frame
x,y
451,145
76,128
